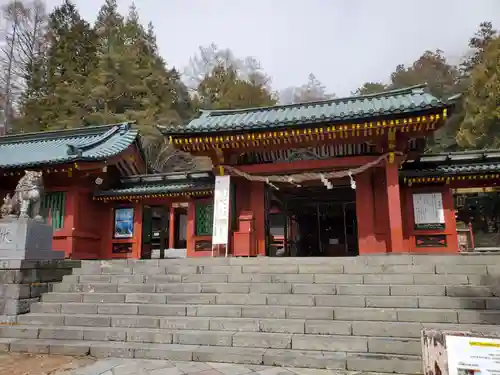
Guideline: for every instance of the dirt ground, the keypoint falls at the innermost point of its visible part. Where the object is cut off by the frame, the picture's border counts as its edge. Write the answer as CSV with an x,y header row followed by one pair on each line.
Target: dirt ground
x,y
32,364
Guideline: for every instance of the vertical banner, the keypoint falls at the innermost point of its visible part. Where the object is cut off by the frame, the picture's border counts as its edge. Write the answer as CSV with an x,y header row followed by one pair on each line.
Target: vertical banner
x,y
222,194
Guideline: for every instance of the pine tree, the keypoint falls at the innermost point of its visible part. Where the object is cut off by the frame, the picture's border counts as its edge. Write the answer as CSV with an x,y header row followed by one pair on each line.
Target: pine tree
x,y
106,83
480,128
132,81
56,92
72,57
223,89
107,74
144,77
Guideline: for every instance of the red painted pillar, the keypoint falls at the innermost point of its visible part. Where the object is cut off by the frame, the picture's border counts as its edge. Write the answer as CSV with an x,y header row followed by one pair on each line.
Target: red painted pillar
x,y
191,230
257,208
450,220
71,221
107,232
171,228
395,235
137,239
365,213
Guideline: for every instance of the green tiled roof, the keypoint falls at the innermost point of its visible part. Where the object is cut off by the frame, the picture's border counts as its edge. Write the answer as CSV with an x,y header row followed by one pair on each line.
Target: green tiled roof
x,y
147,189
454,163
453,170
161,184
357,108
92,143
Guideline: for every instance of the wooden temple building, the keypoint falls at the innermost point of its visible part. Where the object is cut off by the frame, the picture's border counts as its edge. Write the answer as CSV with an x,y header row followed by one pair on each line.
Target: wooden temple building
x,y
341,177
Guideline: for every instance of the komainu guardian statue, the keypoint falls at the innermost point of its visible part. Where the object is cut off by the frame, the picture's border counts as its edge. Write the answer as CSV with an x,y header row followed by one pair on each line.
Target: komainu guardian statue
x,y
27,198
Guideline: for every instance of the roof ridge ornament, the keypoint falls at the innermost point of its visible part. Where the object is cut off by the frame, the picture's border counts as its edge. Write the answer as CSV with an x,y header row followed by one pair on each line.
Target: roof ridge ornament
x,y
99,139
418,90
124,127
73,150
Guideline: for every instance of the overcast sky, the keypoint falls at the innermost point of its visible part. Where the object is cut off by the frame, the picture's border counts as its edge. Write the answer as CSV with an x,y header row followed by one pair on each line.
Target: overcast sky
x,y
343,42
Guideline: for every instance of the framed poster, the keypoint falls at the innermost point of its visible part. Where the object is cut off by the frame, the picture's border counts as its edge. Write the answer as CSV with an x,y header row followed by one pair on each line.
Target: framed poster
x,y
124,223
220,234
428,211
473,355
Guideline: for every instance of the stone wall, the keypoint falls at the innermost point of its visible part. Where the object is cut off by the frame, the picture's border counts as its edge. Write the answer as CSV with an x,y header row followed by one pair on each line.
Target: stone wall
x,y
22,282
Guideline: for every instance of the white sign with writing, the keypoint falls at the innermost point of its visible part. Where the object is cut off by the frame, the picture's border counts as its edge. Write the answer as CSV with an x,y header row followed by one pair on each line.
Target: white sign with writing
x,y
428,208
220,234
473,355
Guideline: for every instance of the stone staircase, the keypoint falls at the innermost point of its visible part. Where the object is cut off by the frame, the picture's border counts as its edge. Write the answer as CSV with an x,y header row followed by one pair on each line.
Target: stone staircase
x,y
358,314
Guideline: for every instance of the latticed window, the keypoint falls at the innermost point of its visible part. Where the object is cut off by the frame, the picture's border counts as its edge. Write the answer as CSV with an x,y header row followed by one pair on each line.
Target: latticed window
x,y
204,218
53,205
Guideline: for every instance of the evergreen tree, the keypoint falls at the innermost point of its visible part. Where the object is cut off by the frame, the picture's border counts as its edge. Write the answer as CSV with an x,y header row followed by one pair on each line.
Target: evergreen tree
x,y
371,88
33,113
480,128
182,100
72,57
106,83
477,44
220,80
223,89
56,95
132,81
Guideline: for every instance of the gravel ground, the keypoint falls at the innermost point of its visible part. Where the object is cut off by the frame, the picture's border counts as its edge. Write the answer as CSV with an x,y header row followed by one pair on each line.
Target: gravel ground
x,y
32,364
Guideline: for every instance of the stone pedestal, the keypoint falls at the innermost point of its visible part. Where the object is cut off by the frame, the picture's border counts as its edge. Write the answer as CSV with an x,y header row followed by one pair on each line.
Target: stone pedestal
x,y
22,282
26,239
28,265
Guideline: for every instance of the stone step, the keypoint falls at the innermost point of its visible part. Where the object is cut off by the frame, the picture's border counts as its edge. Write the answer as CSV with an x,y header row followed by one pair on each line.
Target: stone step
x,y
267,267
374,301
230,324
150,268
266,340
369,260
60,304
319,278
282,288
291,312
369,362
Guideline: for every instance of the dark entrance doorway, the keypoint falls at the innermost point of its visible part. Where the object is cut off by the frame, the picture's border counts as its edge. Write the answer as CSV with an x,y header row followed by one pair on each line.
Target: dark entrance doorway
x,y
313,221
180,239
159,223
155,231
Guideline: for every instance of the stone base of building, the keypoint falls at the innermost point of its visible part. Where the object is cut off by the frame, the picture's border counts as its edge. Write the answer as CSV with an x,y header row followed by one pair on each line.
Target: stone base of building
x,y
169,254
22,282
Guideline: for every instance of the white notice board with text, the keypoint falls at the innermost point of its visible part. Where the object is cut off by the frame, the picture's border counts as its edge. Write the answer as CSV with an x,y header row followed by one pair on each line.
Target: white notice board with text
x,y
220,234
428,210
473,355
